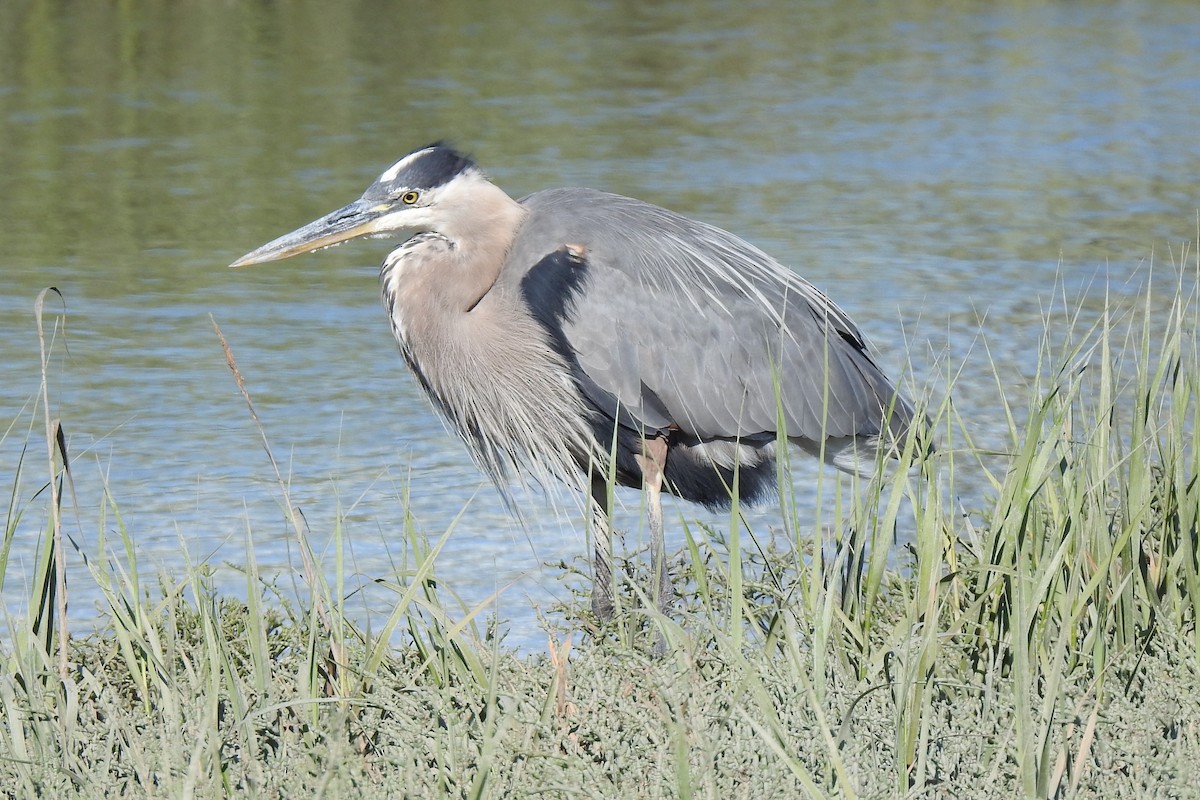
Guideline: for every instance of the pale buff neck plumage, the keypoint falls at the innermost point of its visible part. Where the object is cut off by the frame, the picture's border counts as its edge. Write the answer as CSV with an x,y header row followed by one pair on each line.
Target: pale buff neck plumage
x,y
458,336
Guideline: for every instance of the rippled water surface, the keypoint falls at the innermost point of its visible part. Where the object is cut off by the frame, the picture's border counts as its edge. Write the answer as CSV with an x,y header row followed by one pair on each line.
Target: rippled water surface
x,y
939,172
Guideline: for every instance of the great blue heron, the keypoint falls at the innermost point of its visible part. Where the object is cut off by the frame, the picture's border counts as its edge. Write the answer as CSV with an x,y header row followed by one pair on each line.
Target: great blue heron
x,y
577,334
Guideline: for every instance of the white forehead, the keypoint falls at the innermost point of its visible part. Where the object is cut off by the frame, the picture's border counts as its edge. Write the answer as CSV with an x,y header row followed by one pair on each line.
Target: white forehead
x,y
389,174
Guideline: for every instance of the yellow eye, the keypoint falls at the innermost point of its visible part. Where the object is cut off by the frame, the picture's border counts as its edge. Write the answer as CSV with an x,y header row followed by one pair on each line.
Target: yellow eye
x,y
410,197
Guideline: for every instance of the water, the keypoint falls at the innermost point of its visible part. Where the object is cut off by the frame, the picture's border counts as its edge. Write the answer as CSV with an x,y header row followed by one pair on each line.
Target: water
x,y
928,168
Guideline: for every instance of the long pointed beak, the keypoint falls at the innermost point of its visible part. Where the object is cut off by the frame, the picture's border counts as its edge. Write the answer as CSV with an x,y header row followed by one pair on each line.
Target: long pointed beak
x,y
359,218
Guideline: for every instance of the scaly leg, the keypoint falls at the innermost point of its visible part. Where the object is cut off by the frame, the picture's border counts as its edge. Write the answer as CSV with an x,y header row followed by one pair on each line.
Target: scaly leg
x,y
602,583
653,462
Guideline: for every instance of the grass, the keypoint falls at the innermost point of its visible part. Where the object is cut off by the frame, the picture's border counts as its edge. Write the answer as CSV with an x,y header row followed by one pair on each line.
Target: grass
x,y
1042,645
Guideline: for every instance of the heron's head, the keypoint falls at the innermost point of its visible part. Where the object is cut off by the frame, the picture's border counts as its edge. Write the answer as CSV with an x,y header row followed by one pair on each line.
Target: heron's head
x,y
434,188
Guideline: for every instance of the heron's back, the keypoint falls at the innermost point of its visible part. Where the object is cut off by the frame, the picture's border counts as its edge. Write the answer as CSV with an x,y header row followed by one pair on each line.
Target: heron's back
x,y
678,328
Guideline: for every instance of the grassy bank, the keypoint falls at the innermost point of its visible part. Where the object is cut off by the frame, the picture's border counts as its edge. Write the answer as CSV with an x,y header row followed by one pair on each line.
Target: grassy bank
x,y
1044,645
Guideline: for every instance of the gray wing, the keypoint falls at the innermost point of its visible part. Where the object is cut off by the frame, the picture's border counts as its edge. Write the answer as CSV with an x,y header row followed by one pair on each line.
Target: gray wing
x,y
680,324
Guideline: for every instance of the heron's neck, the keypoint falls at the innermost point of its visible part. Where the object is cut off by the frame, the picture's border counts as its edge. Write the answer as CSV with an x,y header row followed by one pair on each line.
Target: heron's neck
x,y
481,244
433,283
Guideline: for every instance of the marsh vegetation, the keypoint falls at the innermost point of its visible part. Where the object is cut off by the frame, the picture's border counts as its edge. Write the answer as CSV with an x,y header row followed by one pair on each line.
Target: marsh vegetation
x,y
1043,644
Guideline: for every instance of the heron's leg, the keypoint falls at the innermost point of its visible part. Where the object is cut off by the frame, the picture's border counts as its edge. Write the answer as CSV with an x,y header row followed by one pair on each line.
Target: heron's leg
x,y
653,462
602,584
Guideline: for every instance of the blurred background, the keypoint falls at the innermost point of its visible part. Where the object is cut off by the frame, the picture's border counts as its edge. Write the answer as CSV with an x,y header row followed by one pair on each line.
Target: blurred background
x,y
951,175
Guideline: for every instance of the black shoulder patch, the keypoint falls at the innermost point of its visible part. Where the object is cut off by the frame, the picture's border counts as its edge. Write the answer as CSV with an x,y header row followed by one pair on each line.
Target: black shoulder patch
x,y
549,289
